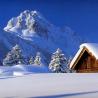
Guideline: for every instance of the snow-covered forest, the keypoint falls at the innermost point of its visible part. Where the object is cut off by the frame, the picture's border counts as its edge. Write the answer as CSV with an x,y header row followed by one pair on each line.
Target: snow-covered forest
x,y
34,33
58,63
29,45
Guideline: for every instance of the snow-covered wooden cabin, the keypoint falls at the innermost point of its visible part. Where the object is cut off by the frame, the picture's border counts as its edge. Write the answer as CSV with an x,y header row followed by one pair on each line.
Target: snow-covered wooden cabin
x,y
86,59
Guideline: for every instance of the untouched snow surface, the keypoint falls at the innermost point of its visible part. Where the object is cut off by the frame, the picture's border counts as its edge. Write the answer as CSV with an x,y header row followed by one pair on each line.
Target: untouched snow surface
x,y
19,70
50,86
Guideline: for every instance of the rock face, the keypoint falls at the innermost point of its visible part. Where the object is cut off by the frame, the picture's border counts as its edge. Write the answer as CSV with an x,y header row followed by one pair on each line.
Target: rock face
x,y
34,33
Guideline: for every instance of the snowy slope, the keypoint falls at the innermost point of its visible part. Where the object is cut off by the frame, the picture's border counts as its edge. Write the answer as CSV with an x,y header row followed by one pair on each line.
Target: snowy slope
x,y
50,86
20,70
34,33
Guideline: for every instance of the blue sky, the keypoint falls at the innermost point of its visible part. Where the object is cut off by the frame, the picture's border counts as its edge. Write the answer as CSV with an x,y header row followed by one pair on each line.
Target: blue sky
x,y
80,15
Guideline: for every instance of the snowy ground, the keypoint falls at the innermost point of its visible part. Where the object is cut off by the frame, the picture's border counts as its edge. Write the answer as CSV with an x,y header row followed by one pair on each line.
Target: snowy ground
x,y
50,85
19,70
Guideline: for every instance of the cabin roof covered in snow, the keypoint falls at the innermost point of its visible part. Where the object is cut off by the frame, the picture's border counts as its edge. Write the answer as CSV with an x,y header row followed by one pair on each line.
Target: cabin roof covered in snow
x,y
92,48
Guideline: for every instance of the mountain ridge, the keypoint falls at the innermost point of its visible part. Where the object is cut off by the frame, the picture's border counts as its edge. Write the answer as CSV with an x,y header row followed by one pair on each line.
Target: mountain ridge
x,y
34,33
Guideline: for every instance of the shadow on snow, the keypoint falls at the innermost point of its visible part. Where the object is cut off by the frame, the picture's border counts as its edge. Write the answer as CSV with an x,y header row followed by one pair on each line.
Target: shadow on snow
x,y
66,95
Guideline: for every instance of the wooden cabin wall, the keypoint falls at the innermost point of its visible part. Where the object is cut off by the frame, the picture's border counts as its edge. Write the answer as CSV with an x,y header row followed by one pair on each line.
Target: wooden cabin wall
x,y
87,64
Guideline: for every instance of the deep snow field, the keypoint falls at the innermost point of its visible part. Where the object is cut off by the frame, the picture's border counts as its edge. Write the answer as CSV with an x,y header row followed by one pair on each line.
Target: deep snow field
x,y
20,70
50,85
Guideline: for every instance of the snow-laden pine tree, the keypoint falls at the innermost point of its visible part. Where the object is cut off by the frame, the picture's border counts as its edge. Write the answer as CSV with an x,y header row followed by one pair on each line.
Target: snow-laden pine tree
x,y
37,60
18,56
58,62
31,61
8,60
14,57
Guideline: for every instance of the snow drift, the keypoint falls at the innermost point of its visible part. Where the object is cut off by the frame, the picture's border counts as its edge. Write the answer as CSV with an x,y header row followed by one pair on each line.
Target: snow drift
x,y
50,86
20,70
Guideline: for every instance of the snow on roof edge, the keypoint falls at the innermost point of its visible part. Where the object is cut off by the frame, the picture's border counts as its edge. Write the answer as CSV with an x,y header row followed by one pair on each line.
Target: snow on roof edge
x,y
92,47
75,57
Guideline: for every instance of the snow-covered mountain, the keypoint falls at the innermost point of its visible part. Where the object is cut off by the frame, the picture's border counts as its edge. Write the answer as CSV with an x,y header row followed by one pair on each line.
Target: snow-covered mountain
x,y
34,33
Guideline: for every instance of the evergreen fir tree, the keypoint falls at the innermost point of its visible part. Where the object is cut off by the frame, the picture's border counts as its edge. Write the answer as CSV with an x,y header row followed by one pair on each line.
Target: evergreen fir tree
x,y
18,54
14,57
31,61
8,60
37,60
58,62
